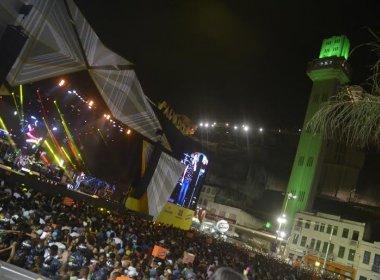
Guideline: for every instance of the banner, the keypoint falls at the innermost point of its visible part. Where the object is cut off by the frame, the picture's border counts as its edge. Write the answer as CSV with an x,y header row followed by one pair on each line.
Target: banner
x,y
159,252
176,216
188,257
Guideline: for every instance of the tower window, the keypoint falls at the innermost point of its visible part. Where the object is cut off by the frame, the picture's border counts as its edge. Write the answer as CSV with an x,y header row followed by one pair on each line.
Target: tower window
x,y
300,161
310,161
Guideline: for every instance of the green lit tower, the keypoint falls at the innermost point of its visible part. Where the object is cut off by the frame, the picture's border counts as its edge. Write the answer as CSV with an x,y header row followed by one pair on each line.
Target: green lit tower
x,y
321,166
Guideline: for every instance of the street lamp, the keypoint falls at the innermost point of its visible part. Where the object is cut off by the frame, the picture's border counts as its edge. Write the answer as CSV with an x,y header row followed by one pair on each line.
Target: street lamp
x,y
282,219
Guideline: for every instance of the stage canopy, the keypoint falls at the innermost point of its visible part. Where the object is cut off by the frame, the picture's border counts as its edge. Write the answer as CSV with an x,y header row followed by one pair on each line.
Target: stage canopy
x,y
61,41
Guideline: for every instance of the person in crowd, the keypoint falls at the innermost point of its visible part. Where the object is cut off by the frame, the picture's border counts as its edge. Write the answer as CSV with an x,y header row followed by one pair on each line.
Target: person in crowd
x,y
82,242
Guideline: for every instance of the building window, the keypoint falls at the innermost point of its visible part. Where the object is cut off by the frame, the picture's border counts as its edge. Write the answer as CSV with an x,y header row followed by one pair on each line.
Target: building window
x,y
351,255
295,239
329,229
309,161
331,248
299,223
376,263
335,230
318,245
366,257
302,195
345,233
300,161
324,249
341,252
322,227
316,226
303,241
307,224
355,235
312,243
362,278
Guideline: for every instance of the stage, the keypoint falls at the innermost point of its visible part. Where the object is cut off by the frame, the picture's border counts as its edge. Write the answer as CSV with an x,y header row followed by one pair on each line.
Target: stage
x,y
13,178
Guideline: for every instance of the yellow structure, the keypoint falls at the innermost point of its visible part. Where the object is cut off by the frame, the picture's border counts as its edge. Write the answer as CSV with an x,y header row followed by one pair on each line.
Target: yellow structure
x,y
138,205
176,216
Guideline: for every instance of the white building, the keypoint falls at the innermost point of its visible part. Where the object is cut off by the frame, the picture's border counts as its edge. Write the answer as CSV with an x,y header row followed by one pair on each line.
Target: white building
x,y
318,236
234,216
368,261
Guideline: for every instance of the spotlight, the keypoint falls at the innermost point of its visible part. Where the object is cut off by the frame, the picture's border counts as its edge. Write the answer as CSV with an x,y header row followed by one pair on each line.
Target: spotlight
x,y
15,113
54,128
246,128
129,131
299,130
62,83
235,127
261,130
201,124
227,124
206,124
90,103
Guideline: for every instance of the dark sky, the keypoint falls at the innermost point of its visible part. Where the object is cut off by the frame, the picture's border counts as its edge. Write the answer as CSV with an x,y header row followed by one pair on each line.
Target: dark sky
x,y
231,60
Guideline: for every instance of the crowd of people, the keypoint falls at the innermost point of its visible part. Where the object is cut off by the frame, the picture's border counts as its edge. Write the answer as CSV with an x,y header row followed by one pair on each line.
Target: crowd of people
x,y
59,241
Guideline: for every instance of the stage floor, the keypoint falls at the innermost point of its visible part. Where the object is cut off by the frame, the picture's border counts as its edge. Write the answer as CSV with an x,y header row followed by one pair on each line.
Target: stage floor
x,y
14,178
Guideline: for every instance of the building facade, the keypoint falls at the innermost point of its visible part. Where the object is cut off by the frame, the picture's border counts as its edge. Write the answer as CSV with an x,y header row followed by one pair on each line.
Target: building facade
x,y
216,211
318,237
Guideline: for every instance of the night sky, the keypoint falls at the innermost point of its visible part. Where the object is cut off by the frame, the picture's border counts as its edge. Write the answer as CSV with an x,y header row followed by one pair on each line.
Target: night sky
x,y
232,60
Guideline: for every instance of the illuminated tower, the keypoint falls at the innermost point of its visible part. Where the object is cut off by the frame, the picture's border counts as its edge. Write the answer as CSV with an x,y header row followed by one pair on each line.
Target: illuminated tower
x,y
319,165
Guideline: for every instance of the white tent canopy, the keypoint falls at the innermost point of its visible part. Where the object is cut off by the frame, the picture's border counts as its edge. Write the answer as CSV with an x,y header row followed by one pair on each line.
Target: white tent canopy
x,y
61,41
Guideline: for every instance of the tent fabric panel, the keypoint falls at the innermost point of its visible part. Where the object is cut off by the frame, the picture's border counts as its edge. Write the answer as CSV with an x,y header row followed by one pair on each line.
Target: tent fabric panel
x,y
163,182
52,48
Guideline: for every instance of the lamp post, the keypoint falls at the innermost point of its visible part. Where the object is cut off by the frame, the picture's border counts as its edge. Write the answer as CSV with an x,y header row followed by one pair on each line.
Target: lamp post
x,y
282,219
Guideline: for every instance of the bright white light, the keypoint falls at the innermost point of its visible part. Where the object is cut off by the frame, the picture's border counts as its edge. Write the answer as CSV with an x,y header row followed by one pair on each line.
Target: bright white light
x,y
15,113
246,128
54,128
282,234
317,263
279,131
281,220
235,127
299,130
214,123
90,103
206,124
201,124
62,83
227,124
69,91
129,131
261,129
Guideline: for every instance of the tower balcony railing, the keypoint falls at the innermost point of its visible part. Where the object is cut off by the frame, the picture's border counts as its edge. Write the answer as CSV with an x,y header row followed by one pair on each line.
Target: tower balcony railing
x,y
329,62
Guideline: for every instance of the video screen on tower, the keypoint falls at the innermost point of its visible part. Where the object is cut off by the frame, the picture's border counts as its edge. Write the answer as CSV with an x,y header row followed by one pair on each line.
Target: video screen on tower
x,y
186,192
